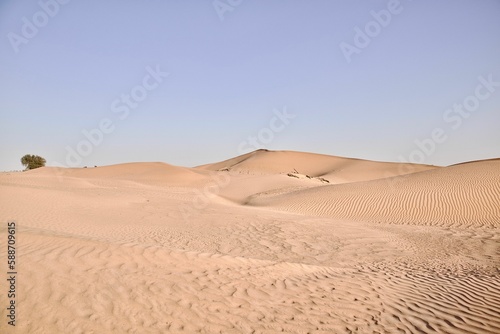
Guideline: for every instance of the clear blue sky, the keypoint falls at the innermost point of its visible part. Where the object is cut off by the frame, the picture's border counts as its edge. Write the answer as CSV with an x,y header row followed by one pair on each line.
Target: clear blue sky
x,y
225,78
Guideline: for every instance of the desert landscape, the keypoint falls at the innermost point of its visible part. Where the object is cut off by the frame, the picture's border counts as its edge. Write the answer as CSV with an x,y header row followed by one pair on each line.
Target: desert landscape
x,y
249,167
266,242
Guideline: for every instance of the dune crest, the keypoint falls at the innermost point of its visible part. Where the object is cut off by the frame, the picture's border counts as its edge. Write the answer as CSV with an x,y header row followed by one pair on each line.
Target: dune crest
x,y
335,169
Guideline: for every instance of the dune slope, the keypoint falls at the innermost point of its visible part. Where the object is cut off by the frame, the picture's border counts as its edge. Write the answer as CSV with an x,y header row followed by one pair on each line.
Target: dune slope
x,y
462,195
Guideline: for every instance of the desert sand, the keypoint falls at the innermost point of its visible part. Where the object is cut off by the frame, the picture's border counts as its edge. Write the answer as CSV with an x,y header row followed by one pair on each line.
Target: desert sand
x,y
267,242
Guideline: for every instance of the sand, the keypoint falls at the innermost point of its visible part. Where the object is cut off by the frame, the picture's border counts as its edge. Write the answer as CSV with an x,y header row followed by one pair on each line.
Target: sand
x,y
268,242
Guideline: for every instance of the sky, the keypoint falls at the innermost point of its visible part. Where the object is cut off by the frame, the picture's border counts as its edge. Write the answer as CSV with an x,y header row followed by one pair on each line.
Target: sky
x,y
193,82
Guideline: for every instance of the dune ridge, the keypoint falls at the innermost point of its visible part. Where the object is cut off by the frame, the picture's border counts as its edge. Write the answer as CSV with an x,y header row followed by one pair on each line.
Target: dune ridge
x,y
336,169
156,173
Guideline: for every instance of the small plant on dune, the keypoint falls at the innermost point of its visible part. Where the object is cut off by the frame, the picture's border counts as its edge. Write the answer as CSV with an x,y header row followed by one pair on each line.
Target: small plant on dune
x,y
31,161
323,180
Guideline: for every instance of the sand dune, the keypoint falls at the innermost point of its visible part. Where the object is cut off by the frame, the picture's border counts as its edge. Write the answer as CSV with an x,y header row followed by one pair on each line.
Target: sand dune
x,y
335,169
108,249
142,172
463,195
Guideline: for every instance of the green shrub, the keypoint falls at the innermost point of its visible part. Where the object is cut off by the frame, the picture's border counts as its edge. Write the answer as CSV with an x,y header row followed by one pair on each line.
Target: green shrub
x,y
31,161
